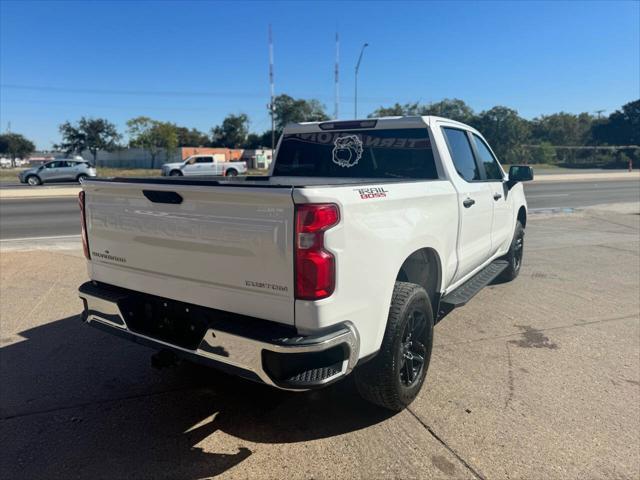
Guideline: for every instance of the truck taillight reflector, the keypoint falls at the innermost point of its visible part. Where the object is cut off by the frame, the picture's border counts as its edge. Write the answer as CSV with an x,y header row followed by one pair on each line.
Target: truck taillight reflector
x,y
315,266
83,226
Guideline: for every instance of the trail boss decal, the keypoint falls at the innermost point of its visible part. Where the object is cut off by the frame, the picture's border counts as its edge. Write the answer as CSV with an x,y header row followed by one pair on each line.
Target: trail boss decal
x,y
347,151
371,192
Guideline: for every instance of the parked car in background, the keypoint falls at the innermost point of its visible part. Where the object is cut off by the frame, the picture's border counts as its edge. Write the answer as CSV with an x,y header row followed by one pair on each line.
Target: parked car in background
x,y
201,165
58,171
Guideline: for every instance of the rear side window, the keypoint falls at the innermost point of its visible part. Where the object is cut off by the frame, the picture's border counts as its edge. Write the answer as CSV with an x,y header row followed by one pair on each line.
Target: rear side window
x,y
384,153
461,153
487,159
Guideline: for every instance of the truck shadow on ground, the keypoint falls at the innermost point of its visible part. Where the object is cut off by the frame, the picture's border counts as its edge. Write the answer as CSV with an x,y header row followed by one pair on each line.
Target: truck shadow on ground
x,y
76,402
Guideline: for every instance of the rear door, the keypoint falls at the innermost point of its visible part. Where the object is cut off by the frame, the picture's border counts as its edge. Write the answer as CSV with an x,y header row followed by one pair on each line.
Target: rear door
x,y
503,215
229,248
206,166
67,171
475,203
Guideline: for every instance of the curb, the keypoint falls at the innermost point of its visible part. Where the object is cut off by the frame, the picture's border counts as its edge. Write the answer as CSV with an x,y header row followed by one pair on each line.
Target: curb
x,y
18,193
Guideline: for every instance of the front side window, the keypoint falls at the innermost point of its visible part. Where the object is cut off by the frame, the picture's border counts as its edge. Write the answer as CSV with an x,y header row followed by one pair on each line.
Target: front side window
x,y
373,153
491,166
204,160
462,154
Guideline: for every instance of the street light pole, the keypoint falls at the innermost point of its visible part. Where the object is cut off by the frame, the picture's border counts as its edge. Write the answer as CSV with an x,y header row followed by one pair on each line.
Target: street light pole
x,y
357,69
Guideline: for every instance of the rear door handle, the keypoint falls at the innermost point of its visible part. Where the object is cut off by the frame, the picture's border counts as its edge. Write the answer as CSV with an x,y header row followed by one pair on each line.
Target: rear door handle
x,y
497,196
468,202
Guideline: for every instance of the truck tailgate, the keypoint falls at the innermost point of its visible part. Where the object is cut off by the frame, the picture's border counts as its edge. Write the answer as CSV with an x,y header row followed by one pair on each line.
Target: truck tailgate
x,y
224,247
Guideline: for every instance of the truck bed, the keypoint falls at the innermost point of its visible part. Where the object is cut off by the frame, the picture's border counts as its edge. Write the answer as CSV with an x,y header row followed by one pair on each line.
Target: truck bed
x,y
256,181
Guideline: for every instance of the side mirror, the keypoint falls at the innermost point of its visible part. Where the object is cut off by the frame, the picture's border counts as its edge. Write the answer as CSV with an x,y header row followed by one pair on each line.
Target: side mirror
x,y
41,167
520,173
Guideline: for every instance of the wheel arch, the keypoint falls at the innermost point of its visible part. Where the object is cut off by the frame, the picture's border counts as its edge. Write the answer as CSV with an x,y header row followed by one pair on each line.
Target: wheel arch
x,y
35,175
522,216
423,267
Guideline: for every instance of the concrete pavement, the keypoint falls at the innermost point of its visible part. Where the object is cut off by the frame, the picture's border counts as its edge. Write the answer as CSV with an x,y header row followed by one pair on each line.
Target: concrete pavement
x,y
539,378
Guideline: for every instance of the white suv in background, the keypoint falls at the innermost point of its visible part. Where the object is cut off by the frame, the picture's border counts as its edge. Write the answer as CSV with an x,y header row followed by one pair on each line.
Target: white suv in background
x,y
204,165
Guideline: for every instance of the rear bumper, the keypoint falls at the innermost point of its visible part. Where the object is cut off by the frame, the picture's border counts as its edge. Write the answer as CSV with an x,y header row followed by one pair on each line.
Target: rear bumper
x,y
255,349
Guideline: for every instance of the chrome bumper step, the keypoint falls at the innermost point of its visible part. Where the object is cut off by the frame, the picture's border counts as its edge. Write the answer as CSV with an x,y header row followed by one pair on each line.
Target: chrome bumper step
x,y
262,353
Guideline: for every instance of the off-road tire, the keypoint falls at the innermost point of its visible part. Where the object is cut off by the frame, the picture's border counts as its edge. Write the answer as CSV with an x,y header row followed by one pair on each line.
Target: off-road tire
x,y
379,380
514,256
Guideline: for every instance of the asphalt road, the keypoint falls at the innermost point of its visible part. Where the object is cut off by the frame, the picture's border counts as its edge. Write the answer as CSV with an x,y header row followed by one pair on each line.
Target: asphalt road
x,y
39,217
581,194
50,217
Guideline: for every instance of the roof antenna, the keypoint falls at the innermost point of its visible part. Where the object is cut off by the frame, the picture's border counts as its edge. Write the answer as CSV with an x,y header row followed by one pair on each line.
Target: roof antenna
x,y
336,111
271,105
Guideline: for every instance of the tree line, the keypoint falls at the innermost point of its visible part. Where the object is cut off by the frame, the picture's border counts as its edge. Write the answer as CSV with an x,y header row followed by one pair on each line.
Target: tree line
x,y
513,138
518,140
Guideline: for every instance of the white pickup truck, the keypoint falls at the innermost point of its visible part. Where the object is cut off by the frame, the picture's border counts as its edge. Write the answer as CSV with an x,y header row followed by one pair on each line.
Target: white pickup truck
x,y
363,236
203,165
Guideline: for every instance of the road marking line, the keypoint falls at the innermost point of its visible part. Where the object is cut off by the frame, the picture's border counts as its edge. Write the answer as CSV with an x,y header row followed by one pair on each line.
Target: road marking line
x,y
548,195
23,239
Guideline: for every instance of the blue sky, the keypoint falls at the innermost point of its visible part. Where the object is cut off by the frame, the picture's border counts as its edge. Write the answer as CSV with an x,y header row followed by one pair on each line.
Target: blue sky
x,y
194,62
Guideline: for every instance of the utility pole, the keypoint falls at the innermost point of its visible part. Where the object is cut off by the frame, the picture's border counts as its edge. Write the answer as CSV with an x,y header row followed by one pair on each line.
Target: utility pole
x,y
272,88
599,113
357,69
337,70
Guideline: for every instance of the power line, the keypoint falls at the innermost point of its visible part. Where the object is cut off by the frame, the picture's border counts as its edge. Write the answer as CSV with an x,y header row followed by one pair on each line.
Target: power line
x,y
272,89
173,93
337,78
128,106
166,93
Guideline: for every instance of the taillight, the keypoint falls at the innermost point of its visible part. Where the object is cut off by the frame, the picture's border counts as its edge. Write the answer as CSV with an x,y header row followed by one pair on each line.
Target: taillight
x,y
83,226
315,266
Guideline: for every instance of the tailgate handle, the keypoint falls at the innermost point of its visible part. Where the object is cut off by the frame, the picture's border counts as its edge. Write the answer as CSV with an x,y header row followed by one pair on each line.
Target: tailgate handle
x,y
159,196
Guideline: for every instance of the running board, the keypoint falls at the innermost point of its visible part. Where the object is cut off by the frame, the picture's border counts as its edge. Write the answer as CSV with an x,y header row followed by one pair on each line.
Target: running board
x,y
465,292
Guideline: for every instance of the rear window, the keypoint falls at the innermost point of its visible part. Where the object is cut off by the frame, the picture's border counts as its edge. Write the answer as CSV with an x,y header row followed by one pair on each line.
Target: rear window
x,y
385,153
